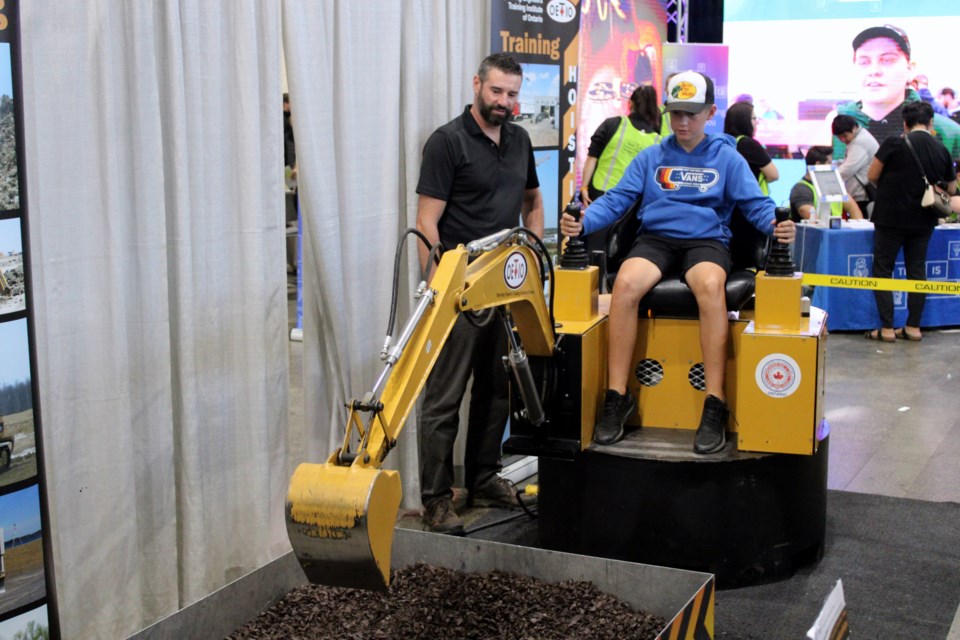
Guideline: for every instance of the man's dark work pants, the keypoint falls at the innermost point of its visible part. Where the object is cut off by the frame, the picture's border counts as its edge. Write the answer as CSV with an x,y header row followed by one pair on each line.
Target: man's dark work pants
x,y
468,350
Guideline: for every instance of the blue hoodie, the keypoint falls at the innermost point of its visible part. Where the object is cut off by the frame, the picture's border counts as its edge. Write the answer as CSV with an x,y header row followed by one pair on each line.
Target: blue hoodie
x,y
686,195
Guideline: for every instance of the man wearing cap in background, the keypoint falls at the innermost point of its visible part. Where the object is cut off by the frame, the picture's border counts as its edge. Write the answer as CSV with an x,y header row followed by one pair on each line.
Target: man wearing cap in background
x,y
882,56
690,184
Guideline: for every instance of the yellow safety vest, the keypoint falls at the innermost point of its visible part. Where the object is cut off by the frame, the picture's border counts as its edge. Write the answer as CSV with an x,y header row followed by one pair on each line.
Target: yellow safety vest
x,y
625,144
836,208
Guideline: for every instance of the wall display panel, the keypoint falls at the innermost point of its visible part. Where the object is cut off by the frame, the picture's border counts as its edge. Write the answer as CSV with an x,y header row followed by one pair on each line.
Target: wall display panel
x,y
30,625
12,289
18,442
796,62
24,583
27,602
9,184
620,49
543,36
548,172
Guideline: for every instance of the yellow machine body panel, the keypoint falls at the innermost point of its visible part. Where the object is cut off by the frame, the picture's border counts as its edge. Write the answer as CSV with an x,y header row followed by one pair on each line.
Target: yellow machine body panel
x,y
780,392
577,298
593,370
778,304
668,372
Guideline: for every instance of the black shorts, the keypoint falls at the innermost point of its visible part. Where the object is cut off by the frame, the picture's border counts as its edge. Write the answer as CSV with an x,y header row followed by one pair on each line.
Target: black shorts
x,y
672,255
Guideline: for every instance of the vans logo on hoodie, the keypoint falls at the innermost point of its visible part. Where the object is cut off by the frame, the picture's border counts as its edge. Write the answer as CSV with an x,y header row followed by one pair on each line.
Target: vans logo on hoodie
x,y
672,178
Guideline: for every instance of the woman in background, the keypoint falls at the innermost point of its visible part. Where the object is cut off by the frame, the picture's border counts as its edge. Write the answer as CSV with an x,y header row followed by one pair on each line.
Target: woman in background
x,y
617,141
899,221
741,123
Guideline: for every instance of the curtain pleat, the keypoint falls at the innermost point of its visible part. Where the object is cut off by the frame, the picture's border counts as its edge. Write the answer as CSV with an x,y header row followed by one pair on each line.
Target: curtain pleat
x,y
369,82
153,150
153,147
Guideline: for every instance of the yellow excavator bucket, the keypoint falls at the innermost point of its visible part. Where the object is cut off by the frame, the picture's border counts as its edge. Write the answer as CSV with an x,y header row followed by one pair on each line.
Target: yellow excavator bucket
x,y
340,522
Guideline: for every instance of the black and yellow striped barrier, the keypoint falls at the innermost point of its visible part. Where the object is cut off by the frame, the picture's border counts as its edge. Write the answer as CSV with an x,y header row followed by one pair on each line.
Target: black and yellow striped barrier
x,y
943,287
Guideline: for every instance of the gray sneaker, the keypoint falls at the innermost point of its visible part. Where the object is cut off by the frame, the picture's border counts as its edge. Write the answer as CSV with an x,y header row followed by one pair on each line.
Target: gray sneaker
x,y
440,517
495,492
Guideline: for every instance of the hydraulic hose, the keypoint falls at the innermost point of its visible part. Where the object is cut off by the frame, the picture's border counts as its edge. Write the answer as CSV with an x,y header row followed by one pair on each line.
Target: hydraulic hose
x,y
434,253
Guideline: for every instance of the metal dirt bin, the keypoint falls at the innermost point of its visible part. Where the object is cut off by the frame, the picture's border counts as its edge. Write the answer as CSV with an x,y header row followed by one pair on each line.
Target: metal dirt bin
x,y
684,598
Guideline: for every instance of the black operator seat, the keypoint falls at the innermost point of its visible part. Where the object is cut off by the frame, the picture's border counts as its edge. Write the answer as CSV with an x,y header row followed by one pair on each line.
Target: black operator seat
x,y
670,296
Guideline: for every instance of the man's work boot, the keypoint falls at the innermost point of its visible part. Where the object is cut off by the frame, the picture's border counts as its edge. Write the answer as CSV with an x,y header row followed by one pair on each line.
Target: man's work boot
x,y
495,492
711,435
439,517
616,410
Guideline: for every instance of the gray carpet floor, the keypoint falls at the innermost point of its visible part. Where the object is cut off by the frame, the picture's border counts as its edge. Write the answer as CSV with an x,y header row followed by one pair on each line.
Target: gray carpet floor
x,y
899,560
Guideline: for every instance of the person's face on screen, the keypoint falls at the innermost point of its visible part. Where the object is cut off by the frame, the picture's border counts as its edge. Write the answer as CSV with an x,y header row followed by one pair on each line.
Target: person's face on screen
x,y
496,96
884,72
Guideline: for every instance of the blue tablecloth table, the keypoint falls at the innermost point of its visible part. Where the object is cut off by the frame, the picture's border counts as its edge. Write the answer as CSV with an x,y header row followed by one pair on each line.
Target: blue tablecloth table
x,y
849,251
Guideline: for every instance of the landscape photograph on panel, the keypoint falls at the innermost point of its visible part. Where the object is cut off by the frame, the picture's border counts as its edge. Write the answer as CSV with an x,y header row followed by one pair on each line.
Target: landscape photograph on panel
x,y
26,626
538,108
18,442
12,291
21,550
9,181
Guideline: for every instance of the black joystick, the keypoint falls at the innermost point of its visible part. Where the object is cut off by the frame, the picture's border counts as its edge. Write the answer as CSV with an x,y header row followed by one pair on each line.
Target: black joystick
x,y
779,262
575,254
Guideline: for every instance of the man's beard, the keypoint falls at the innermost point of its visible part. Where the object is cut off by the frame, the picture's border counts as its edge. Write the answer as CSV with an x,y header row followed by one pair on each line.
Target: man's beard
x,y
488,114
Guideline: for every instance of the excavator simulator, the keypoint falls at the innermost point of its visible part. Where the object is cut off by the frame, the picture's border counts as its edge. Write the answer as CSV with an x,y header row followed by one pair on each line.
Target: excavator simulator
x,y
749,513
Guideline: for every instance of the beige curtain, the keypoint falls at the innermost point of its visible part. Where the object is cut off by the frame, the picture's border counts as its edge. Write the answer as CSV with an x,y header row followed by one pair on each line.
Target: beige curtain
x,y
153,150
363,112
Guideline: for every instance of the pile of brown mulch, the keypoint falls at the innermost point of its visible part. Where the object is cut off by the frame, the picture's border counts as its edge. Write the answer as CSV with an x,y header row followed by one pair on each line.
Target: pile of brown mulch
x,y
430,603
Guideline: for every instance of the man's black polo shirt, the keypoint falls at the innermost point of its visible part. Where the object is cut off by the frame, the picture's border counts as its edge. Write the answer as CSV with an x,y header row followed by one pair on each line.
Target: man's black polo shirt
x,y
483,185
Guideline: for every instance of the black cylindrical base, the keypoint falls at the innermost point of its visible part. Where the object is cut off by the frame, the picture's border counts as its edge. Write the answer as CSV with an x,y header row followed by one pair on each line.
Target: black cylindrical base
x,y
747,519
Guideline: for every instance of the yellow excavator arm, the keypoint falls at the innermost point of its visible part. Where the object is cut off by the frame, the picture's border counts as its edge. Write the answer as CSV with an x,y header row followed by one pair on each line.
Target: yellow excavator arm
x,y
341,514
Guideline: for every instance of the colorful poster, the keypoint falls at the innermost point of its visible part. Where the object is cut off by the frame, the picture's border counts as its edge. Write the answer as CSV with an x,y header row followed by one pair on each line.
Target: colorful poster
x,y
621,49
542,36
26,577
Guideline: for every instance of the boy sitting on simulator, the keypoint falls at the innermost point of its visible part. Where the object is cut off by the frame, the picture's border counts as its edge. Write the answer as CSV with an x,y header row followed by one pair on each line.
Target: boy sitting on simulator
x,y
690,184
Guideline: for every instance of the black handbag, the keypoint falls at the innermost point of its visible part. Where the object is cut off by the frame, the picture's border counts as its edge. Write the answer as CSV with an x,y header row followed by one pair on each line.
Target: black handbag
x,y
935,200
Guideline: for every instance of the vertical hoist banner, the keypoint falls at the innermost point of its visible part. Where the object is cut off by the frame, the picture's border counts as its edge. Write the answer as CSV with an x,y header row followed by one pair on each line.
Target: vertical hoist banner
x,y
27,605
543,36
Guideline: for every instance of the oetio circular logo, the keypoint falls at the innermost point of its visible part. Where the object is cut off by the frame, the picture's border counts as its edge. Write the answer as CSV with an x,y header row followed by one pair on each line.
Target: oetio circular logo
x,y
515,270
778,375
561,10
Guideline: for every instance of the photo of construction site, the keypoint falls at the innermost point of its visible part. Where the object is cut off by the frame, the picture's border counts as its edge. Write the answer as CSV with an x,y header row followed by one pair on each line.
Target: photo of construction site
x,y
21,549
12,289
18,441
537,111
9,180
547,168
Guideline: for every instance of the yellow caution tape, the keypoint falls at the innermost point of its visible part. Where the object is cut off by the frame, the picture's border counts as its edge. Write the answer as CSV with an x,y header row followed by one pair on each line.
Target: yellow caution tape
x,y
883,284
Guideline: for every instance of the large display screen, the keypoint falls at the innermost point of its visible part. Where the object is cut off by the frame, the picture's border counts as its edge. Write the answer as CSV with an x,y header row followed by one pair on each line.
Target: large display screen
x,y
796,62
